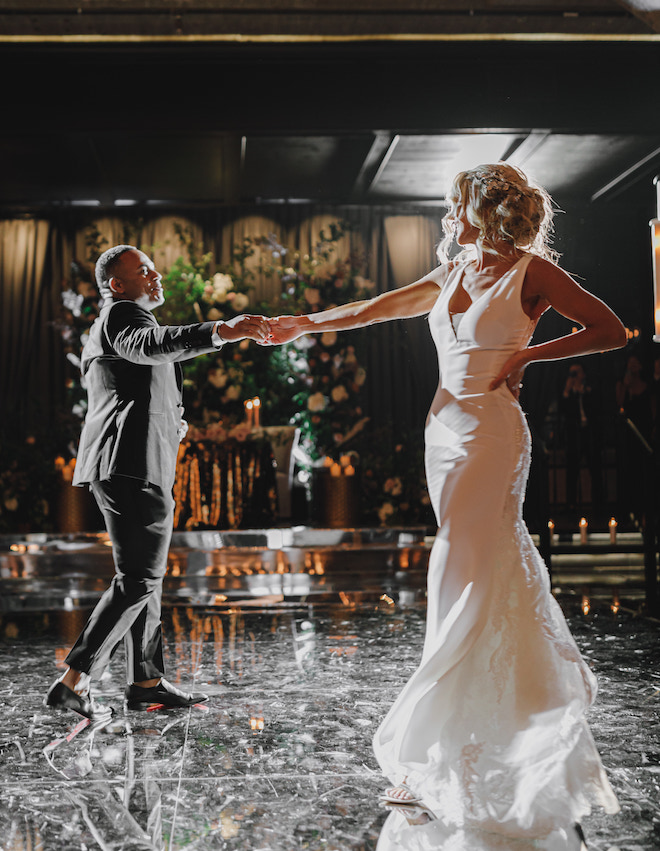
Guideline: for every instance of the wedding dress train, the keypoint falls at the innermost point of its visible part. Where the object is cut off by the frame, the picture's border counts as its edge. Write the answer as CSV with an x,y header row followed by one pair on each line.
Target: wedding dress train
x,y
490,730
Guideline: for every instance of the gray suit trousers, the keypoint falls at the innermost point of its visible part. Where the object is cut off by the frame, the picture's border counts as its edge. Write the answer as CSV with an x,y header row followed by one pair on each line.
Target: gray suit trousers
x,y
138,517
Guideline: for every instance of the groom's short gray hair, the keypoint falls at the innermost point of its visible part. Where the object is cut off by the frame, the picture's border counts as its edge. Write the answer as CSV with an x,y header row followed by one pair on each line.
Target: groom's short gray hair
x,y
106,265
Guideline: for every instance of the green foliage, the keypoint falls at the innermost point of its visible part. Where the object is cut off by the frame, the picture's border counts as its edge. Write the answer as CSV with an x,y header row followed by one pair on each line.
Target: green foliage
x,y
393,482
29,482
323,372
314,382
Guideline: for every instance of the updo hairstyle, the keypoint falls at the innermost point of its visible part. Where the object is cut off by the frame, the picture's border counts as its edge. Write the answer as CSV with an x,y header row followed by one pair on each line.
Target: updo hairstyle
x,y
509,210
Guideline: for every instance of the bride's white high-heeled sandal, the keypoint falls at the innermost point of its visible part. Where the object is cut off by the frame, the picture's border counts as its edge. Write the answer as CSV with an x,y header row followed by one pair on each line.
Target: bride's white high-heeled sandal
x,y
400,794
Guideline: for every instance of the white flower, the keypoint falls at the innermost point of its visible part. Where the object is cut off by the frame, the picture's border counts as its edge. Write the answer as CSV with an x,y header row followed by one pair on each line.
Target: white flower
x,y
241,432
233,392
303,343
364,284
329,338
339,393
386,510
393,486
222,283
312,295
217,377
316,402
240,302
72,301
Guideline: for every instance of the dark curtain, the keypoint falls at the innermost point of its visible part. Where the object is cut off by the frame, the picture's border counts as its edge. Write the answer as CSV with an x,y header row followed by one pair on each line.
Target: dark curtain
x,y
31,378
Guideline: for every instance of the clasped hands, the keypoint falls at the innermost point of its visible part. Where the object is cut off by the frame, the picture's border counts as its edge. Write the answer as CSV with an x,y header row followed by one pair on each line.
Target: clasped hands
x,y
263,330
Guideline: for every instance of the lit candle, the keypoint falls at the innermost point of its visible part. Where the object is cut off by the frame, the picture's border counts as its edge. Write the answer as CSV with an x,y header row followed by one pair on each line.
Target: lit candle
x,y
615,604
249,412
335,470
345,460
327,461
583,530
349,470
612,524
551,529
256,402
586,606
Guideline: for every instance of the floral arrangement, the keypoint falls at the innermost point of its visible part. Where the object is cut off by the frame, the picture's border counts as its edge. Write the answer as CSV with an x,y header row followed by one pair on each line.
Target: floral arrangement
x,y
80,307
29,481
313,382
323,371
393,481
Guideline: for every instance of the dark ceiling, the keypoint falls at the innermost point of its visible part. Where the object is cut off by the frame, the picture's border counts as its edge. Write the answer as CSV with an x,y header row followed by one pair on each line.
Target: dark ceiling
x,y
107,105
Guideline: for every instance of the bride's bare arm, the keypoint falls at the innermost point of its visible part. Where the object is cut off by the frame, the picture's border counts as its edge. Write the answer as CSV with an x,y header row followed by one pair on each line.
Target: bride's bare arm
x,y
412,300
546,285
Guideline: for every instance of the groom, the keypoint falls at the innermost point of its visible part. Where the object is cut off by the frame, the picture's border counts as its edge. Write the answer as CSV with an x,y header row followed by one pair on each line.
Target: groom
x,y
127,456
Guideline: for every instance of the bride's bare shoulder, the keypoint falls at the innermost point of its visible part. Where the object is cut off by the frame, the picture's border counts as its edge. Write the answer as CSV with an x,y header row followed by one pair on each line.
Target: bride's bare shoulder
x,y
542,273
440,274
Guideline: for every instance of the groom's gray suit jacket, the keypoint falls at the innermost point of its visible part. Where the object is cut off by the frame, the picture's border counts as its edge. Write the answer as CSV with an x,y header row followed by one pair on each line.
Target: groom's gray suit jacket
x,y
134,383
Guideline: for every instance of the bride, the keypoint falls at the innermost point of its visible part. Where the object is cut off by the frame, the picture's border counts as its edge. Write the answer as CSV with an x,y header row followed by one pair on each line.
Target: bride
x,y
490,731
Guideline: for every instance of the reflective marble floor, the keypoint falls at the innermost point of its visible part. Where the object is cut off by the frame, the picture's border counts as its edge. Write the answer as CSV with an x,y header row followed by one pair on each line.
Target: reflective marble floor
x,y
280,757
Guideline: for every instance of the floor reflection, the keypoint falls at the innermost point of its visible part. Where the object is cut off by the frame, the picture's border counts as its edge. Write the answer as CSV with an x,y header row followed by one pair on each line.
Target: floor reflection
x,y
417,829
280,757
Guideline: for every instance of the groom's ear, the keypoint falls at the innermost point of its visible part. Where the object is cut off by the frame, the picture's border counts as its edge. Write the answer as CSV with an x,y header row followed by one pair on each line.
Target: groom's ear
x,y
115,284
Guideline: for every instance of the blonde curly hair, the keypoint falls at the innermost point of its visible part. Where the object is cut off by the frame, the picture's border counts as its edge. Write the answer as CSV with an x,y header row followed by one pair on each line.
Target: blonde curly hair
x,y
508,209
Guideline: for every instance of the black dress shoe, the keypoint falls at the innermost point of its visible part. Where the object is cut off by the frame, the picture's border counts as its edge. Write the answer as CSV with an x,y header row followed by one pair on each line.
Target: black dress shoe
x,y
62,697
164,693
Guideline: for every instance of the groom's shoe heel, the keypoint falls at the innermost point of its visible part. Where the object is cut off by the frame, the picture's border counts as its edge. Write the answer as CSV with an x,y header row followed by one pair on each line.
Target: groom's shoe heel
x,y
139,705
61,697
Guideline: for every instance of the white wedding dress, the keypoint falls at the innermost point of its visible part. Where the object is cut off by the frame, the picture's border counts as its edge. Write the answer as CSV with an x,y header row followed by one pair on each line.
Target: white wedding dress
x,y
490,729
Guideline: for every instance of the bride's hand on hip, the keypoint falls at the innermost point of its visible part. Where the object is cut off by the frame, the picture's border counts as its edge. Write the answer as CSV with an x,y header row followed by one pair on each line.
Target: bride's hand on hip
x,y
511,374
